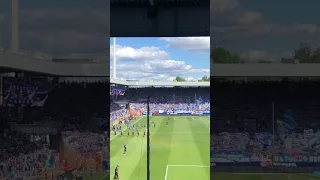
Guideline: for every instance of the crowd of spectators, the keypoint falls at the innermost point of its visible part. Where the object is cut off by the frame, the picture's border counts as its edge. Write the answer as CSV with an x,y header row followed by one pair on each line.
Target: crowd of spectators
x,y
18,154
167,95
77,112
273,118
163,99
79,115
24,156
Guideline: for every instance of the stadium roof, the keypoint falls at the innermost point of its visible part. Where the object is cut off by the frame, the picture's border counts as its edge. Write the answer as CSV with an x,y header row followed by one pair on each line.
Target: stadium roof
x,y
160,84
265,70
23,62
164,18
162,2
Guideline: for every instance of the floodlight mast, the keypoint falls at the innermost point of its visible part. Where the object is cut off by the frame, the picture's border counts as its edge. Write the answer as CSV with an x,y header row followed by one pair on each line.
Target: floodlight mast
x,y
114,59
15,26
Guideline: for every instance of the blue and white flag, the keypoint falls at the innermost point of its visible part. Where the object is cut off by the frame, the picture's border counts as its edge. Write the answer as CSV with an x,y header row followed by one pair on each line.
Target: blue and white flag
x,y
288,123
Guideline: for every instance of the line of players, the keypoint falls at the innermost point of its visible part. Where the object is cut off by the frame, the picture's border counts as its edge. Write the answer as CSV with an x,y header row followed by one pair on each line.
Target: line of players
x,y
133,128
119,127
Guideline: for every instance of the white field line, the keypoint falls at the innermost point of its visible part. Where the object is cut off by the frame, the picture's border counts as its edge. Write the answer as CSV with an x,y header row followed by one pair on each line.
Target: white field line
x,y
167,168
126,129
104,177
165,177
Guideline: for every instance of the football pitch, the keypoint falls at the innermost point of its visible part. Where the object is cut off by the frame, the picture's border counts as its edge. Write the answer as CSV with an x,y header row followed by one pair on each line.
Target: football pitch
x,y
179,150
261,176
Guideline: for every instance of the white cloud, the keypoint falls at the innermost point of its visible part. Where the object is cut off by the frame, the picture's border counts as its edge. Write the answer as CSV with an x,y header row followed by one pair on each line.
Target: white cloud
x,y
190,79
61,31
158,70
223,5
246,17
257,55
2,18
261,55
200,44
307,28
238,22
287,54
171,78
204,71
143,53
278,29
169,66
151,63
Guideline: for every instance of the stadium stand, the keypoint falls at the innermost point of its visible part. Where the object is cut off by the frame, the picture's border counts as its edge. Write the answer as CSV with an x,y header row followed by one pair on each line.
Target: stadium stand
x,y
63,133
167,100
263,123
181,110
52,124
193,96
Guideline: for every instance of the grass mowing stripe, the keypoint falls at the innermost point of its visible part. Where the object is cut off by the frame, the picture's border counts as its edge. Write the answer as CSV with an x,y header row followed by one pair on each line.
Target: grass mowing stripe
x,y
202,141
137,160
169,144
160,147
140,170
129,161
184,150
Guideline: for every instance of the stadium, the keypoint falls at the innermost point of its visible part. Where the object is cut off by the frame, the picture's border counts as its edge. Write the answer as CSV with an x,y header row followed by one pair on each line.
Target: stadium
x,y
52,115
265,127
179,118
52,121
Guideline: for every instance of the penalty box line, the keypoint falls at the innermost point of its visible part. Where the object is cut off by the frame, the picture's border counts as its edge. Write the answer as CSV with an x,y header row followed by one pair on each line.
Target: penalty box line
x,y
167,168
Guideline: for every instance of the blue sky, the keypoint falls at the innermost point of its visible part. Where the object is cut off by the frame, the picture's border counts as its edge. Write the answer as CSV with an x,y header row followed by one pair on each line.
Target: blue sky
x,y
264,29
161,59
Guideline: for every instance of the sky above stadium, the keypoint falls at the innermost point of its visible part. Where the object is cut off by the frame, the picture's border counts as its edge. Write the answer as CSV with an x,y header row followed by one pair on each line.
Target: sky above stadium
x,y
256,30
161,59
264,29
72,28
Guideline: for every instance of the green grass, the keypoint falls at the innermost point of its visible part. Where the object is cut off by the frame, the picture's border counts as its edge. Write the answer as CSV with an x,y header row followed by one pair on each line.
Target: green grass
x,y
180,150
260,176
